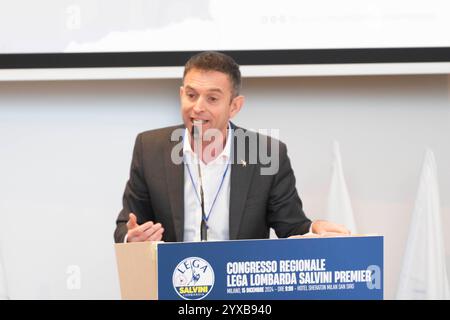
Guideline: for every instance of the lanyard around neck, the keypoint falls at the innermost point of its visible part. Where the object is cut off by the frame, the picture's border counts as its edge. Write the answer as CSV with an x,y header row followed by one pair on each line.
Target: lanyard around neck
x,y
218,190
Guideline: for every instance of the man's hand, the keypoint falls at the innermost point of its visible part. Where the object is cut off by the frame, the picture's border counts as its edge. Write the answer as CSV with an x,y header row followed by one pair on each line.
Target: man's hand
x,y
144,232
323,228
328,228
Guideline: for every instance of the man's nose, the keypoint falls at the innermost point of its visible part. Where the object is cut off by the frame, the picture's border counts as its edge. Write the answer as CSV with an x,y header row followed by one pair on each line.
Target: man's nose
x,y
199,105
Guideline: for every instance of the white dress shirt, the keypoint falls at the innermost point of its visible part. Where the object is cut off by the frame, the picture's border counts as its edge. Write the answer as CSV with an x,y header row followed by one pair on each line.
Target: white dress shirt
x,y
212,175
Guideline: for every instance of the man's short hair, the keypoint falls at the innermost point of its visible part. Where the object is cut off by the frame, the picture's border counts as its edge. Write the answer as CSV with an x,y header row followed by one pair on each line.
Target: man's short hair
x,y
216,61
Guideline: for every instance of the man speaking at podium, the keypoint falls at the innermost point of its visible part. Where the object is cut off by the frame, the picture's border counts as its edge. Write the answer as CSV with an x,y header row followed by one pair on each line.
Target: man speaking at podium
x,y
209,179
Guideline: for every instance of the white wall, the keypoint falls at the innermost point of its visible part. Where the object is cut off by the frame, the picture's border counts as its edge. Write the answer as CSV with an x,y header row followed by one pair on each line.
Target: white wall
x,y
65,150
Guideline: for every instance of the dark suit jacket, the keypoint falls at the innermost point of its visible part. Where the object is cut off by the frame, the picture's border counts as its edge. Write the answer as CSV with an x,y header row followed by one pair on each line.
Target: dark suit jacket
x,y
155,191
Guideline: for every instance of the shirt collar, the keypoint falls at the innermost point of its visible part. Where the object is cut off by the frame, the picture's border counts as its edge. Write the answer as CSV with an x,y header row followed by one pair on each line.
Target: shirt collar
x,y
224,156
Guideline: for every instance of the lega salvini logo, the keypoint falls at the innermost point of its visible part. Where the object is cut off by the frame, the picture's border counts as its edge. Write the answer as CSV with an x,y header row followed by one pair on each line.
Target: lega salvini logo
x,y
193,278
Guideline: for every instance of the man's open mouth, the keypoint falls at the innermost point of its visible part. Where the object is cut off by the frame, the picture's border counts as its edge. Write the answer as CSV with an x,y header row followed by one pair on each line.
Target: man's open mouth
x,y
198,122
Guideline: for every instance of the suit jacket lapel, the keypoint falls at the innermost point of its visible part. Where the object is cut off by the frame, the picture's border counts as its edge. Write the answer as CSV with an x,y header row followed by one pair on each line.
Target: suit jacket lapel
x,y
241,176
175,186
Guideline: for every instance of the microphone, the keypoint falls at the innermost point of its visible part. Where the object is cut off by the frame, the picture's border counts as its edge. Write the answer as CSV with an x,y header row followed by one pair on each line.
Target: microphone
x,y
196,128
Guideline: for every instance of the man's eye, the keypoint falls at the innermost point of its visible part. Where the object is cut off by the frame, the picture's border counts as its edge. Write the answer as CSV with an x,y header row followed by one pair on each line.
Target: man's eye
x,y
191,95
213,99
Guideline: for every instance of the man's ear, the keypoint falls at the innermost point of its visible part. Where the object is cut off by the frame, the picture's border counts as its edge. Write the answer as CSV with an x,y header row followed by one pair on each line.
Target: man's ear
x,y
236,105
181,91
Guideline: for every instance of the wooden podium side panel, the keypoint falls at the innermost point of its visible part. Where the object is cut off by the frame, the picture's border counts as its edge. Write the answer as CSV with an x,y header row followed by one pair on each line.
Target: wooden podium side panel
x,y
137,265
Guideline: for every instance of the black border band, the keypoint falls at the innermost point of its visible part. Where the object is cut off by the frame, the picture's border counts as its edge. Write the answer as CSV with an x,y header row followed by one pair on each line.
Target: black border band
x,y
255,57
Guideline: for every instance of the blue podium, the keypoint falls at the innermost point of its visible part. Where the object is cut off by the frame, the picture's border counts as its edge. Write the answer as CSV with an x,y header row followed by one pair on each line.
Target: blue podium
x,y
305,268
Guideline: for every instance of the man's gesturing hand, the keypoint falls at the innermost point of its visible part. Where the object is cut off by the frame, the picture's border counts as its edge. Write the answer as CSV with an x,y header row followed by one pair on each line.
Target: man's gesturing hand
x,y
148,231
328,228
323,228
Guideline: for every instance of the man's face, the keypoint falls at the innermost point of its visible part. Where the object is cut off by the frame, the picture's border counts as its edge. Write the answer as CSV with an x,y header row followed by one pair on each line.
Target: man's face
x,y
207,96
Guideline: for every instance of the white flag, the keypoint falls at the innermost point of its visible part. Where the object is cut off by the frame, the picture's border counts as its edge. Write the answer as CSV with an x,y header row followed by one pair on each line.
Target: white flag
x,y
339,205
3,291
424,274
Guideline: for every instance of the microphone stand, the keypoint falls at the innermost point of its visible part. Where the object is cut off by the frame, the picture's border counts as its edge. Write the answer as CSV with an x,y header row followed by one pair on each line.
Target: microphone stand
x,y
198,142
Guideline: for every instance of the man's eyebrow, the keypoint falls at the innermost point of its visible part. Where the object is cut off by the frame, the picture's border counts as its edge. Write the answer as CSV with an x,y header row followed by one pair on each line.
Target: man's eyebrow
x,y
215,90
188,87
